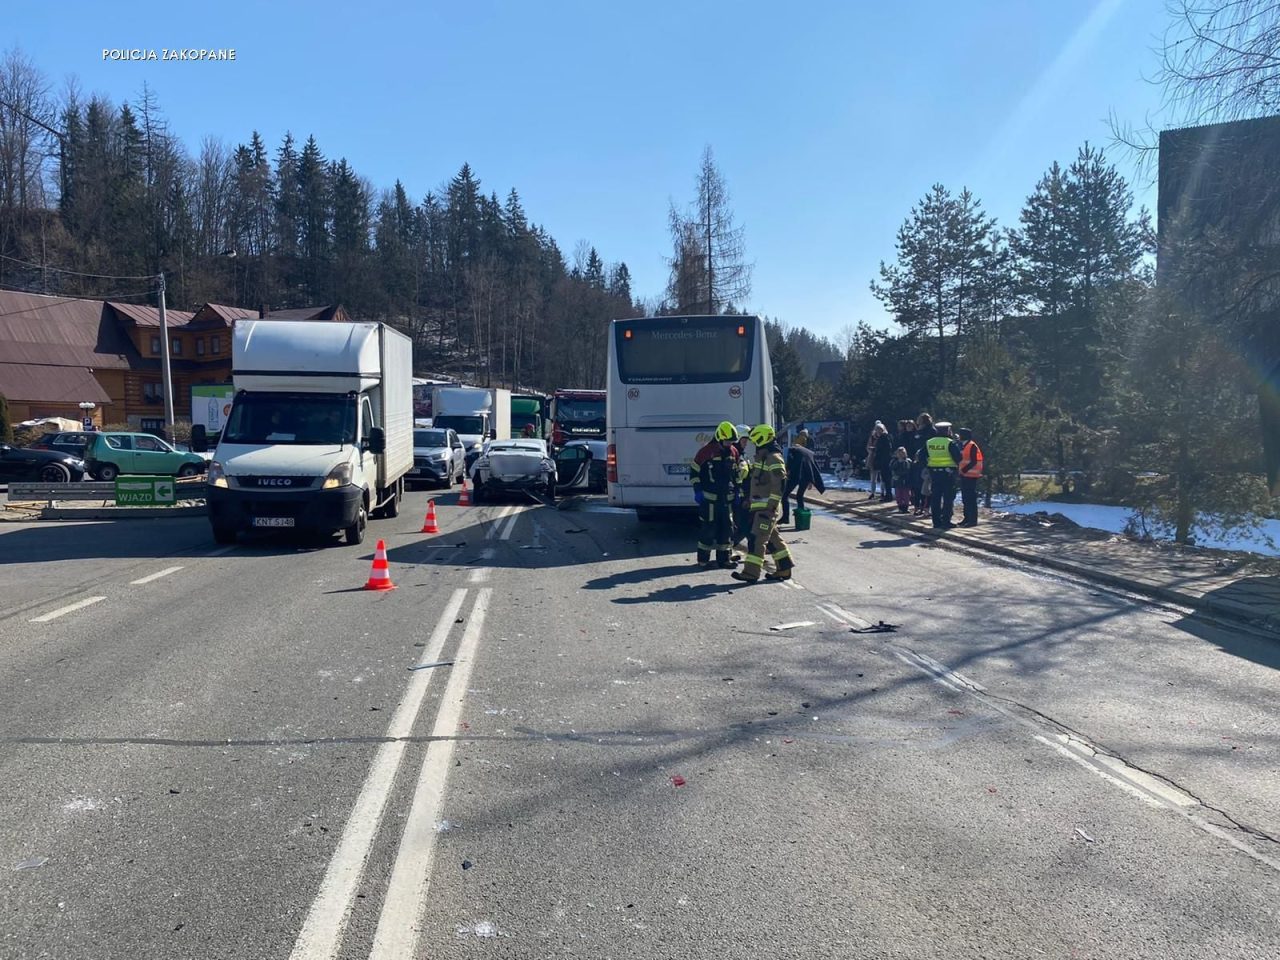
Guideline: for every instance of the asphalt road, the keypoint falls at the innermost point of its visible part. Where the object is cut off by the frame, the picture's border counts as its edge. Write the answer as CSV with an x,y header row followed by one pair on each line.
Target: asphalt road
x,y
211,752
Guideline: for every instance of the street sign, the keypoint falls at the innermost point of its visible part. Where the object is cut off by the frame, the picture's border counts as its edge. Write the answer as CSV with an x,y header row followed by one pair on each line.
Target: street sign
x,y
87,423
146,491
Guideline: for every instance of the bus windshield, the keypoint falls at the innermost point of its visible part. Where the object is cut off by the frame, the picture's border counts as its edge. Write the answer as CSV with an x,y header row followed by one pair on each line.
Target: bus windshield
x,y
685,350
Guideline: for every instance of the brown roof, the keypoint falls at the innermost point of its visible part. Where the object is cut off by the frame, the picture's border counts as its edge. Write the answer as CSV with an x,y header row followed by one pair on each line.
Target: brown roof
x,y
333,312
61,331
147,316
31,383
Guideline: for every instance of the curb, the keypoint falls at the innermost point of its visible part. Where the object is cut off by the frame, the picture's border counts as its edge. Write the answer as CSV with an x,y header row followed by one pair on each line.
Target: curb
x,y
121,513
957,541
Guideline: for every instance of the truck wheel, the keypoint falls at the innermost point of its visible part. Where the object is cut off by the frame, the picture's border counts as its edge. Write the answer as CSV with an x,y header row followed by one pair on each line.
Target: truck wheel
x,y
355,532
392,509
224,533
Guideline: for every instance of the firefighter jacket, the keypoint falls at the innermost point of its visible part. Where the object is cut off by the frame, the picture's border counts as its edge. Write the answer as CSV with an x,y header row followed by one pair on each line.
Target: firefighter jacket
x,y
971,460
768,479
715,471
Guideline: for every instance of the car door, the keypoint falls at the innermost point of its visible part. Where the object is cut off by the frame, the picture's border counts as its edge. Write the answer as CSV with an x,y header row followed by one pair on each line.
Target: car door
x,y
118,450
572,464
152,455
458,453
12,464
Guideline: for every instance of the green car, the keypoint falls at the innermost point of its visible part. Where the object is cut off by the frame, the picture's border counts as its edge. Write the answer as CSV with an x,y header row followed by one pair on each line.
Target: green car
x,y
108,455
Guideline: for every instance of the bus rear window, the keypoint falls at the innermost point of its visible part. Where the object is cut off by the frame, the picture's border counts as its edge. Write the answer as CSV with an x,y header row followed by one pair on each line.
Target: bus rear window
x,y
705,350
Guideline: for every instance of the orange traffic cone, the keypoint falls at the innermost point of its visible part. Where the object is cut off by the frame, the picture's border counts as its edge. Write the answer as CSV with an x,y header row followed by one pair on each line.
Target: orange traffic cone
x,y
464,498
429,525
380,575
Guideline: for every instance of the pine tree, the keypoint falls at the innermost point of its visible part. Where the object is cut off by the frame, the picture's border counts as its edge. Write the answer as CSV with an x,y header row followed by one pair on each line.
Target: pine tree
x,y
315,240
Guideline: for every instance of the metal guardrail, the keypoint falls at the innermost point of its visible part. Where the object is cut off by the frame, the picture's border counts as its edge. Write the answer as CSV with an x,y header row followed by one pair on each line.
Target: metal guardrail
x,y
83,490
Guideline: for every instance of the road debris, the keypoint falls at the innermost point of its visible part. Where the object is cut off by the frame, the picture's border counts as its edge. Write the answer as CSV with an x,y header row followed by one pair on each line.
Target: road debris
x,y
878,627
1084,836
31,863
792,626
677,781
428,666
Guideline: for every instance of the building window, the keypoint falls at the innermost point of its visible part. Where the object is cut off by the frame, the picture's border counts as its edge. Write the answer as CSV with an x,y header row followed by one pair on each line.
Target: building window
x,y
199,346
155,345
150,424
177,347
151,392
215,345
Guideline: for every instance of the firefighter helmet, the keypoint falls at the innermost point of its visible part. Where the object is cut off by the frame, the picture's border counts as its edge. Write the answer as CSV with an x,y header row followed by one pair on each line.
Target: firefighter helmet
x,y
762,435
726,431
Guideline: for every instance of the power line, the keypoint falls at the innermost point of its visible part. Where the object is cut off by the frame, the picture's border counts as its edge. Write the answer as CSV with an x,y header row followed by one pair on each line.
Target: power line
x,y
60,299
73,273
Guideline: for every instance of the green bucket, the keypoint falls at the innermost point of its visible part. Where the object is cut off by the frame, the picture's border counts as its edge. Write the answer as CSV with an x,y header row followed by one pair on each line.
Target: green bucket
x,y
803,518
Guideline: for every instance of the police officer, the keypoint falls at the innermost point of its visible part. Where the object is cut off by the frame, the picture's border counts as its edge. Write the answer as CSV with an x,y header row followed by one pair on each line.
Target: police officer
x,y
942,453
768,479
716,483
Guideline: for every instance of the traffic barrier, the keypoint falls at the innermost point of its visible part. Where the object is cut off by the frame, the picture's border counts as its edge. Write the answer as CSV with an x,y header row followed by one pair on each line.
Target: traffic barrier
x,y
380,574
429,524
464,498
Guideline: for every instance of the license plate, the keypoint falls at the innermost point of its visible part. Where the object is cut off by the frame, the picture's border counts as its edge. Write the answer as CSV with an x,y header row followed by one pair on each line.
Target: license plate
x,y
273,521
677,469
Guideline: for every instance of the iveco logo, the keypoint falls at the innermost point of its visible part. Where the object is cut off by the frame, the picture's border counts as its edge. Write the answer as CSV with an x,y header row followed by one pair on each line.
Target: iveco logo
x,y
275,482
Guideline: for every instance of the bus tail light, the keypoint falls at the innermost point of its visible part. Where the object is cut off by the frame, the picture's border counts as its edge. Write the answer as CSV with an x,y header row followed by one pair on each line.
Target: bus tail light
x,y
612,463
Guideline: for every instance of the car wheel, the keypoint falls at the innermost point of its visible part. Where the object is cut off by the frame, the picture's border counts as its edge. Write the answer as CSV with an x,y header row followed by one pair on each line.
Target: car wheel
x,y
477,494
108,472
355,532
188,470
55,473
551,490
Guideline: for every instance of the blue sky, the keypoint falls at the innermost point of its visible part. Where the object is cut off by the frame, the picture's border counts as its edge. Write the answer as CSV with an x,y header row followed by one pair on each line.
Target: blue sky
x,y
828,120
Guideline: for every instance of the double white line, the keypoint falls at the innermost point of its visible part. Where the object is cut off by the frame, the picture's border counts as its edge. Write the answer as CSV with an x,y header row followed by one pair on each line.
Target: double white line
x,y
510,513
397,932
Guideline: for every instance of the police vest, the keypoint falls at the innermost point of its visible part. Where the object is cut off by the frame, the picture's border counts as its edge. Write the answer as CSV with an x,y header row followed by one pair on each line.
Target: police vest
x,y
939,451
971,460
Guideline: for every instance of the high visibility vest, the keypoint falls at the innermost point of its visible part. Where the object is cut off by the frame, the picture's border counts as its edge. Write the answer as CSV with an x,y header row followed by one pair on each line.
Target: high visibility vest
x,y
939,451
971,460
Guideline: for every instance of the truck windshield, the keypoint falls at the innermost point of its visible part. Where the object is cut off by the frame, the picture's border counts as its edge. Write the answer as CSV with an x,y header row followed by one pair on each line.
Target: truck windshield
x,y
298,418
469,426
580,411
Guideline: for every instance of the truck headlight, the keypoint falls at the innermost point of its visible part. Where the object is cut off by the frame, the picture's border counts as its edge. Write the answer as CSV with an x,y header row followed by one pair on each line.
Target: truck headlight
x,y
339,476
217,476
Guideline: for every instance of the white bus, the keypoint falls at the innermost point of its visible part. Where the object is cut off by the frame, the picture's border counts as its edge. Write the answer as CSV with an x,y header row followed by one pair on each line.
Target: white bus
x,y
671,380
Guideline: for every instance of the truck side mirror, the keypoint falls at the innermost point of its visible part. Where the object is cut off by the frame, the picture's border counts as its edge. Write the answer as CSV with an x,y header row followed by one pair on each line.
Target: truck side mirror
x,y
199,439
377,440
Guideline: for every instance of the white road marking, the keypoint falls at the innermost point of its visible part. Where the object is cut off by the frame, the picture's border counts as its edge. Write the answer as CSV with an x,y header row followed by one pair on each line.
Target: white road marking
x,y
488,553
69,608
792,626
841,615
321,934
221,550
154,576
397,933
479,575
497,521
511,525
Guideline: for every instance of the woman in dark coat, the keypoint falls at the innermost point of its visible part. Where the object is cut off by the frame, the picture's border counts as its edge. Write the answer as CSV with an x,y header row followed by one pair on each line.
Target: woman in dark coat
x,y
884,454
924,430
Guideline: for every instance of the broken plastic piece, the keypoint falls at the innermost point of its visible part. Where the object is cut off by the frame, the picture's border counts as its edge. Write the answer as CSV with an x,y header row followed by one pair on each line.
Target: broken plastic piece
x,y
31,863
438,663
677,781
1084,836
878,627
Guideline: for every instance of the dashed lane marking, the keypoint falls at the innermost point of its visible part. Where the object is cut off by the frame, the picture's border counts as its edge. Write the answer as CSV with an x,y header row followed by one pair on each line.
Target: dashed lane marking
x,y
69,608
321,934
479,575
154,576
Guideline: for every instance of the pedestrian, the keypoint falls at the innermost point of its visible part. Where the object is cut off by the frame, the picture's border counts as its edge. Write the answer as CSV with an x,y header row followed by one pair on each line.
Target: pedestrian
x,y
884,457
715,480
943,453
845,470
970,470
873,470
919,458
767,481
802,473
900,471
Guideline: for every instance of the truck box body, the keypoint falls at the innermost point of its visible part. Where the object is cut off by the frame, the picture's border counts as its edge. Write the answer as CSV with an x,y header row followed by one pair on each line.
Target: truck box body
x,y
477,414
298,447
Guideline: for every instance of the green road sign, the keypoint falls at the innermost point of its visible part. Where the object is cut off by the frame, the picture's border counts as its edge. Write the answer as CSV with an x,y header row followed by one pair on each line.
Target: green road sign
x,y
146,491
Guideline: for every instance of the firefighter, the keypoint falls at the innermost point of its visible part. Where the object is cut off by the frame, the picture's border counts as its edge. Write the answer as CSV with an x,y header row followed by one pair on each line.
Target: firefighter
x,y
970,470
716,484
767,481
741,509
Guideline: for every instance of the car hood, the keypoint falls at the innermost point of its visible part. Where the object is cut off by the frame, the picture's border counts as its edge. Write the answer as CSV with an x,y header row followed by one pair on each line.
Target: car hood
x,y
293,460
431,452
35,453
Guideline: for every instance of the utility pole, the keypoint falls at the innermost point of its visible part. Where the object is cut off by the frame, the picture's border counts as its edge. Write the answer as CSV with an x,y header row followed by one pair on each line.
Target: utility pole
x,y
164,363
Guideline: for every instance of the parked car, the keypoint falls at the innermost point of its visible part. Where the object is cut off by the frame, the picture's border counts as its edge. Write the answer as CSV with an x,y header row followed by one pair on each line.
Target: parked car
x,y
111,454
438,457
39,466
72,443
514,466
582,465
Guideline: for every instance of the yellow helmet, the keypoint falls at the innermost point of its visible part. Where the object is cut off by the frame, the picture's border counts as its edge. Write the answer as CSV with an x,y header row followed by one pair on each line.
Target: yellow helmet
x,y
762,435
726,431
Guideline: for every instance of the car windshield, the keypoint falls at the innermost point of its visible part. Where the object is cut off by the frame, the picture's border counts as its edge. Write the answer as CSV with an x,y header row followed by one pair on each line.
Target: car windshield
x,y
430,438
292,418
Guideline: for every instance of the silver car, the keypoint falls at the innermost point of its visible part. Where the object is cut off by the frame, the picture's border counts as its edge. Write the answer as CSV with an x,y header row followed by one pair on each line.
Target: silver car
x,y
438,457
514,466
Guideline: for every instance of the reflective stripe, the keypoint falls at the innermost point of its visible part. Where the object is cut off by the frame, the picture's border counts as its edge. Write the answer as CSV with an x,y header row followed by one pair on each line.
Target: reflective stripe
x,y
752,558
783,554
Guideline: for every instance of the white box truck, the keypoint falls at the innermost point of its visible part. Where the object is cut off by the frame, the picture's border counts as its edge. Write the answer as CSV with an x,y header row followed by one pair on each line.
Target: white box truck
x,y
320,433
476,414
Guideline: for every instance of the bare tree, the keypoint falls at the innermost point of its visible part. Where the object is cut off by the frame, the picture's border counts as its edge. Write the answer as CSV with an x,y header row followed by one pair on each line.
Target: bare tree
x,y
708,269
1221,59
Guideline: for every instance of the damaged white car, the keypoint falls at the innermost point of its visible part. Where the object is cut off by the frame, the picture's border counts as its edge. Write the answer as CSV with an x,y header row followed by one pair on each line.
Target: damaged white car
x,y
514,466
